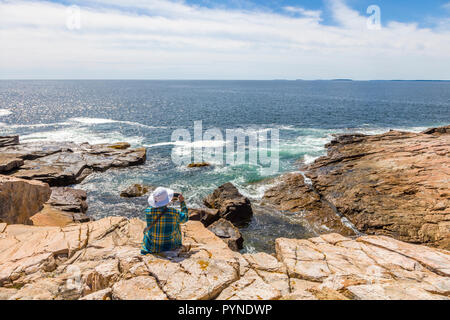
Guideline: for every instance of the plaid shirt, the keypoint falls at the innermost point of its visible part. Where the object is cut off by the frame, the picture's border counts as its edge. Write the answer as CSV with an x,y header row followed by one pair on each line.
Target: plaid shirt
x,y
166,234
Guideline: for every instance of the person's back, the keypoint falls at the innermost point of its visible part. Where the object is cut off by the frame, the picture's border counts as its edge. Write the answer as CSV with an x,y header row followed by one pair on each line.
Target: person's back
x,y
163,232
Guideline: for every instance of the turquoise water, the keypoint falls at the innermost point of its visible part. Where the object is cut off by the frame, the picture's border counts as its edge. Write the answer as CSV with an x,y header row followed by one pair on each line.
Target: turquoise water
x,y
145,113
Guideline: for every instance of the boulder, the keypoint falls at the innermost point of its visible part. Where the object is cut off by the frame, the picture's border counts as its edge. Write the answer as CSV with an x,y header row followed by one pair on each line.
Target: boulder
x,y
393,184
21,199
136,190
6,141
68,199
50,216
65,206
204,215
226,231
232,205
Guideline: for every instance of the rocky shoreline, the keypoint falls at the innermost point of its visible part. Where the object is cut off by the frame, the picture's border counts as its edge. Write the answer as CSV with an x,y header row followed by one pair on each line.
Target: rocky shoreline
x,y
383,198
395,184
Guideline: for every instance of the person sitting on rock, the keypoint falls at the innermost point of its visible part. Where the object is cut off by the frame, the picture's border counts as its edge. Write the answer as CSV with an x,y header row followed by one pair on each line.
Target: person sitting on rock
x,y
163,232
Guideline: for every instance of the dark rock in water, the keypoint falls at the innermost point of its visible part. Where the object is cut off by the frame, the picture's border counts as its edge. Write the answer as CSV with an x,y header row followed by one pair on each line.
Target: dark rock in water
x,y
67,163
199,165
136,190
225,230
232,205
441,130
346,139
68,199
8,141
205,216
9,162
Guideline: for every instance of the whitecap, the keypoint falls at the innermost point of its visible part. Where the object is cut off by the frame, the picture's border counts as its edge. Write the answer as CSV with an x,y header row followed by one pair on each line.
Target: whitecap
x,y
5,112
307,159
96,121
92,120
38,125
80,135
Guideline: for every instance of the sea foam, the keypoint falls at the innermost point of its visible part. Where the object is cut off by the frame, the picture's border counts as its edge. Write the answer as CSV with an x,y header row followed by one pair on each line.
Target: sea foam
x,y
5,112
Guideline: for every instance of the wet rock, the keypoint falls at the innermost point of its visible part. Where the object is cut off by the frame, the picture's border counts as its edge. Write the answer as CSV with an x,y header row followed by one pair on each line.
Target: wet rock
x,y
119,145
292,194
232,205
205,216
21,199
6,141
136,190
199,165
226,231
437,131
393,184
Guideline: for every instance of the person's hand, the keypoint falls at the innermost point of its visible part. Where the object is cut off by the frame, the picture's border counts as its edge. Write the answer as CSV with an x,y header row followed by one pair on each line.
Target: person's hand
x,y
181,198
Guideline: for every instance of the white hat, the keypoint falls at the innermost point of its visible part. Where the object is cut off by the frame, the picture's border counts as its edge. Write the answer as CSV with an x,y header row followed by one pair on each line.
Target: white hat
x,y
160,197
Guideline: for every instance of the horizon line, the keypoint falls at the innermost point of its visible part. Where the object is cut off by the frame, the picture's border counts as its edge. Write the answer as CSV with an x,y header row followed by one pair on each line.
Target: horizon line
x,y
175,79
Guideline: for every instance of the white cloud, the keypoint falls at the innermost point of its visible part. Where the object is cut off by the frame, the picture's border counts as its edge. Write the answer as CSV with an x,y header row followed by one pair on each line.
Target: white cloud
x,y
315,14
165,39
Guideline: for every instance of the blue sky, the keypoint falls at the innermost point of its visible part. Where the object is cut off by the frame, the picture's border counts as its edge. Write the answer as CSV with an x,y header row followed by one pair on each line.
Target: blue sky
x,y
234,39
423,12
420,11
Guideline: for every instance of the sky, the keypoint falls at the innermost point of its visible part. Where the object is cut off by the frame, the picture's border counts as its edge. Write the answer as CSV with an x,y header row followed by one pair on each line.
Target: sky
x,y
228,39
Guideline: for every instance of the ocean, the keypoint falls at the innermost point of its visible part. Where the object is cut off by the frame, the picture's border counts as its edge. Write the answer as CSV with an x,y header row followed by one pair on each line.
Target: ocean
x,y
146,113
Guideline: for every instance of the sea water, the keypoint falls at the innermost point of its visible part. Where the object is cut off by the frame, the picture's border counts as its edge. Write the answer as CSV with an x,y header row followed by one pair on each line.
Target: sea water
x,y
146,113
